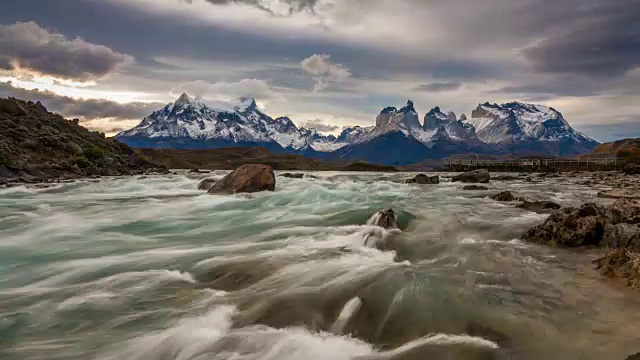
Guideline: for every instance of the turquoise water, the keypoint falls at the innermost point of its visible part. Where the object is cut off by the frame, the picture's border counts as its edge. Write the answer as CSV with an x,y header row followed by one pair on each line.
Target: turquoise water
x,y
149,268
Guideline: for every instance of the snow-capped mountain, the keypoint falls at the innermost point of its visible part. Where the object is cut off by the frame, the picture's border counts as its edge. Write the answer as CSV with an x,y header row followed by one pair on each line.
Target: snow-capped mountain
x,y
522,128
190,124
397,138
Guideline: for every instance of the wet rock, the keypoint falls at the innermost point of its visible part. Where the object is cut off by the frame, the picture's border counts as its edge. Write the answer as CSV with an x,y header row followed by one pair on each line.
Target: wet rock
x,y
206,184
620,193
293,176
504,196
385,218
541,207
423,179
474,187
631,169
621,264
621,235
246,179
634,357
474,176
585,225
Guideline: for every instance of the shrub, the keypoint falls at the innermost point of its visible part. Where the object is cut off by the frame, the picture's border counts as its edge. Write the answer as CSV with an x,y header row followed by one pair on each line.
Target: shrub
x,y
93,153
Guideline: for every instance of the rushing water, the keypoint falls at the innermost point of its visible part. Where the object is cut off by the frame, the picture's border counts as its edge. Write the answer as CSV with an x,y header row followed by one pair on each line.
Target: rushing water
x,y
149,268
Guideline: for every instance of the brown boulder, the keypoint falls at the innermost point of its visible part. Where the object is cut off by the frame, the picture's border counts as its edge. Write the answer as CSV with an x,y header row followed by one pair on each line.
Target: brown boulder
x,y
621,264
246,179
474,176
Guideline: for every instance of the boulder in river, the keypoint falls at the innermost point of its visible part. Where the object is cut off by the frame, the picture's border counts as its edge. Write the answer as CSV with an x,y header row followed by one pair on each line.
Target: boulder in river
x,y
619,194
541,207
504,196
423,179
588,225
474,187
474,176
293,175
246,179
206,184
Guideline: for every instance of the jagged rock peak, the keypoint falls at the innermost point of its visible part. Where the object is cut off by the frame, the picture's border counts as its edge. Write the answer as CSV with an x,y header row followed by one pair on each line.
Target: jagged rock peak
x,y
451,116
408,107
463,117
248,103
184,99
435,110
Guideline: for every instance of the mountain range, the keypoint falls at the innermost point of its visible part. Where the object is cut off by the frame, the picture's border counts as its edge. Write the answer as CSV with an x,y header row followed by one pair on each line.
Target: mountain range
x,y
398,137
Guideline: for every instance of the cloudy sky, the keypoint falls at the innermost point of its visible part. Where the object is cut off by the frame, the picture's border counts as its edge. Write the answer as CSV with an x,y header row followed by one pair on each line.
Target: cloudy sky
x,y
326,63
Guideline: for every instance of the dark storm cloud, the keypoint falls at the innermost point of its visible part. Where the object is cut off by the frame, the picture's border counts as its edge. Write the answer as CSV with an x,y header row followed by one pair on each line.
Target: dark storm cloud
x,y
602,38
26,45
439,86
87,109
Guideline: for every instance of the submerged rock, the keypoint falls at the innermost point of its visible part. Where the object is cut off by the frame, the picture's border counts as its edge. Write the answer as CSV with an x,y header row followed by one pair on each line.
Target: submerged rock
x,y
293,176
474,187
206,184
504,196
423,179
246,179
474,176
541,207
621,264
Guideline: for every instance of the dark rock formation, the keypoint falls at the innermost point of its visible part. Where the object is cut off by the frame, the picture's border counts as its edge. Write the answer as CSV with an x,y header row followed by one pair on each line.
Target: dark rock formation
x,y
588,225
39,146
631,169
634,357
504,196
475,176
206,184
542,207
423,179
246,179
293,175
474,187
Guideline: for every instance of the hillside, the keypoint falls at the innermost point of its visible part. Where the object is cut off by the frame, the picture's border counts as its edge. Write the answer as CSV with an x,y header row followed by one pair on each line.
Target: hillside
x,y
231,158
36,145
625,149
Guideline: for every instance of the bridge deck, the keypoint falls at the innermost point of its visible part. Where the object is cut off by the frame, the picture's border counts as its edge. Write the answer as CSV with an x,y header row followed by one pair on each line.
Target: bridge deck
x,y
535,164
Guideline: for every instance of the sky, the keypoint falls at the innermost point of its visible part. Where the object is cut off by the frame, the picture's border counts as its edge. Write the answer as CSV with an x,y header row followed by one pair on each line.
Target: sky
x,y
325,63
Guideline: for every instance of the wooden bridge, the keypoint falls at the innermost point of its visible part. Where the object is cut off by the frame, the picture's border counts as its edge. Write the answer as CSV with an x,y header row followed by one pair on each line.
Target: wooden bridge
x,y
534,165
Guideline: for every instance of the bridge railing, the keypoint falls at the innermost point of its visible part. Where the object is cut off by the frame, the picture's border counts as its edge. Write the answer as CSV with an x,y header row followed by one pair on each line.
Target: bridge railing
x,y
533,164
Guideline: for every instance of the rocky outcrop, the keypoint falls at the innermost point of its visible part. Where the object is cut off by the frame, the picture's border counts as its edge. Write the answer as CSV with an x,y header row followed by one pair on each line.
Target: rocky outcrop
x,y
206,184
293,175
631,169
504,196
423,179
541,207
474,176
39,146
246,179
588,225
474,187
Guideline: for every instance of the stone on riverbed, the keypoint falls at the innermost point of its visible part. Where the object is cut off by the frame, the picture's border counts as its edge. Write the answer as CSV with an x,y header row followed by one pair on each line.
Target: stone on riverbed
x,y
248,178
474,176
504,196
206,184
423,179
541,207
621,264
293,175
619,194
474,187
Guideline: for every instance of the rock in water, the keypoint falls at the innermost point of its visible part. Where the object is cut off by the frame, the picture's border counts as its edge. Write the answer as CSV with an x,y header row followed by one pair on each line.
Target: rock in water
x,y
474,187
293,176
634,357
385,219
504,196
541,207
619,194
588,225
423,179
246,179
474,176
621,264
206,184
